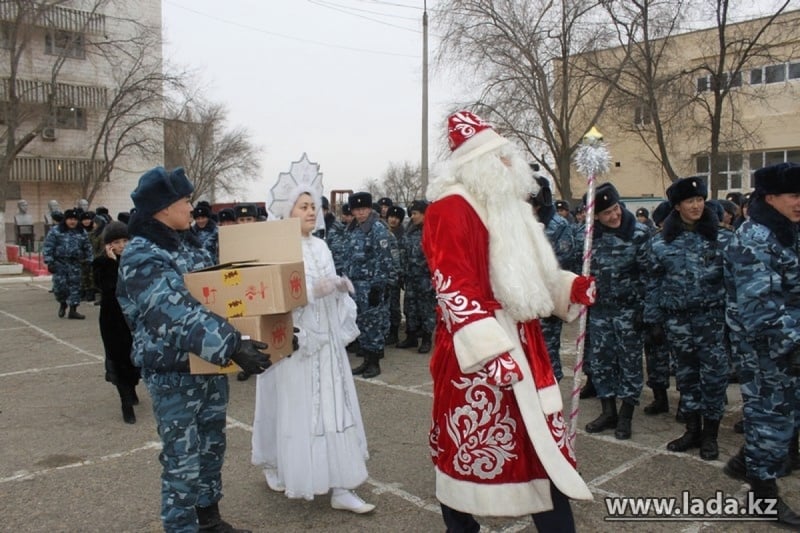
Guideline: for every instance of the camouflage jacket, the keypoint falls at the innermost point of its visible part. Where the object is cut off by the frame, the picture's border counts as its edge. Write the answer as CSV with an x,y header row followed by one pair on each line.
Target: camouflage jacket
x,y
686,266
209,238
64,245
764,292
336,237
416,264
166,321
369,258
561,235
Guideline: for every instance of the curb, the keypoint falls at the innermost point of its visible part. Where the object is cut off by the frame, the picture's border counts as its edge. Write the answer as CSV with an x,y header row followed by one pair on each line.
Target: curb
x,y
7,280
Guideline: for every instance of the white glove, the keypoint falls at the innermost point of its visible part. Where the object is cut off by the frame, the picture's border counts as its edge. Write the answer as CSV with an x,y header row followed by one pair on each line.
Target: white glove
x,y
343,284
324,287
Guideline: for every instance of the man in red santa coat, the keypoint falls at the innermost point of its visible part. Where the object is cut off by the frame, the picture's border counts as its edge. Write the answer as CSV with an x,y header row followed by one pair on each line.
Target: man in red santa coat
x,y
498,438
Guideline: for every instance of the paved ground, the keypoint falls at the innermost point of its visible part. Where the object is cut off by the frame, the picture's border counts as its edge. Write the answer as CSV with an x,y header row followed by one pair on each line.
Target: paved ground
x,y
70,463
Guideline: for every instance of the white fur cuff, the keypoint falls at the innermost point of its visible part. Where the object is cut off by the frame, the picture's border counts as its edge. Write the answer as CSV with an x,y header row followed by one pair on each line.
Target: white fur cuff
x,y
478,342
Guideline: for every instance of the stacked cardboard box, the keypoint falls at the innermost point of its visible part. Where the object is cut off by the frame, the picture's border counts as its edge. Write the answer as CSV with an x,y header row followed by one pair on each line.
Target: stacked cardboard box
x,y
258,282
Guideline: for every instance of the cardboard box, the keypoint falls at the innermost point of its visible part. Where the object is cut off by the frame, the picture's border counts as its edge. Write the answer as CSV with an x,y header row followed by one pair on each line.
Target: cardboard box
x,y
275,330
248,289
260,272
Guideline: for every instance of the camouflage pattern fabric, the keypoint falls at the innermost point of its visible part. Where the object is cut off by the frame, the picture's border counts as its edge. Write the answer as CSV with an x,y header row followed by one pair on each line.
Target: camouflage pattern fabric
x,y
66,251
419,302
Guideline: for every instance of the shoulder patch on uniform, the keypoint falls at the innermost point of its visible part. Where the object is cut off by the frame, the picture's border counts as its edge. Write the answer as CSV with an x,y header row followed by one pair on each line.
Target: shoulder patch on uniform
x,y
384,243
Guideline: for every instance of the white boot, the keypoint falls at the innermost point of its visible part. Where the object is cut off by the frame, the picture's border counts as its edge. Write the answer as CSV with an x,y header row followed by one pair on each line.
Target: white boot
x,y
347,500
273,481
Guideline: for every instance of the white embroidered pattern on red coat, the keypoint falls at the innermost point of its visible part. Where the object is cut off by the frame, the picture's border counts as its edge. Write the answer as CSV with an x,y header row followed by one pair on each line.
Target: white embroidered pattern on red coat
x,y
482,434
558,428
455,307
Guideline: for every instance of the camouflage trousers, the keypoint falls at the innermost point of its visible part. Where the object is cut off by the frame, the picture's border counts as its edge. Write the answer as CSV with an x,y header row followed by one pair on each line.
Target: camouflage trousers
x,y
67,282
701,362
771,401
395,316
190,415
419,304
372,320
657,358
616,362
551,329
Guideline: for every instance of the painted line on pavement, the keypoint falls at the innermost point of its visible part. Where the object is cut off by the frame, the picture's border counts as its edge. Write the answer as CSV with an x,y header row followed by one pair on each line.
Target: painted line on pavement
x,y
24,475
52,336
46,368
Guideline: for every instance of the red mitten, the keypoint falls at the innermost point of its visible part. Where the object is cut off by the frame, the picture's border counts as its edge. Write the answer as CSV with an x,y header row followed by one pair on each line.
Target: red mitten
x,y
502,371
583,291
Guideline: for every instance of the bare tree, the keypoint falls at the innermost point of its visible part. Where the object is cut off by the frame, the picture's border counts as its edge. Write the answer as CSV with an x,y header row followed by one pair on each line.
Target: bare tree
x,y
649,82
530,59
27,106
735,49
218,159
402,183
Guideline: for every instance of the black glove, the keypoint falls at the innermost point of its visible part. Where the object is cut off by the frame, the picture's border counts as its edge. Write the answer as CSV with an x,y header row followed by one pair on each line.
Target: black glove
x,y
250,359
51,267
375,296
295,343
794,362
654,334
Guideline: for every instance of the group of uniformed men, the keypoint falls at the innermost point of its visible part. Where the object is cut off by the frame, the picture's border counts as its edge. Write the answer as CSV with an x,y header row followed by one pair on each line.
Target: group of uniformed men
x,y
711,291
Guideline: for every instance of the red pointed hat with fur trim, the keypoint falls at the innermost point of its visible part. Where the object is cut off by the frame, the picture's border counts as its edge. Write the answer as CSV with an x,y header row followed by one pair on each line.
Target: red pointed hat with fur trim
x,y
470,137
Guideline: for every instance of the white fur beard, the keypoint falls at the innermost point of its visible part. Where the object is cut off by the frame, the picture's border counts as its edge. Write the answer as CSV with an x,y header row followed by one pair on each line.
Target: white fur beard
x,y
522,266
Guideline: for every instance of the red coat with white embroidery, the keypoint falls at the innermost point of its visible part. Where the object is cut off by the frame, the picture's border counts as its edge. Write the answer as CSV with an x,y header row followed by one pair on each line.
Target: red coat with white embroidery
x,y
495,449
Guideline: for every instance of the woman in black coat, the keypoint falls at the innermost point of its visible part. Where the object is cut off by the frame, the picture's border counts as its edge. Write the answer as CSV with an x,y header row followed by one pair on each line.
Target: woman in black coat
x,y
114,330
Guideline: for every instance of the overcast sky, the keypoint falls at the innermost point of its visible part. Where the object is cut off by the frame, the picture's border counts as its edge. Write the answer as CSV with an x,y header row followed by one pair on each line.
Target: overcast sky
x,y
338,79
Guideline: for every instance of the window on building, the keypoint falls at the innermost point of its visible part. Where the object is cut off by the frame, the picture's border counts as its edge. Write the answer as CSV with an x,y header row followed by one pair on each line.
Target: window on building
x,y
66,43
729,167
775,73
702,84
641,115
5,36
734,80
69,118
794,71
756,76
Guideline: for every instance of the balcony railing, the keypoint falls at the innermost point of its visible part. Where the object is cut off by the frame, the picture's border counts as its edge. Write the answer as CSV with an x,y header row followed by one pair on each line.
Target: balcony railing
x,y
66,95
55,17
54,170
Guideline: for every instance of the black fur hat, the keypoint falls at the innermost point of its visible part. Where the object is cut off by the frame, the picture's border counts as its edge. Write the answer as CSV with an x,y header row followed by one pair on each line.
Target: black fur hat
x,y
115,230
782,178
385,201
346,209
418,205
201,211
246,210
72,213
686,188
396,211
605,196
643,212
562,204
661,212
124,217
360,199
87,215
226,215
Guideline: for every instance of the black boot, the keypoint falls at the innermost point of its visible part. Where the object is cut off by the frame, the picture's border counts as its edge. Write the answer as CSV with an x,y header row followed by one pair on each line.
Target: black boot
x,y
373,365
708,441
353,348
62,309
126,395
735,467
607,419
768,488
410,341
209,520
135,396
391,337
794,453
693,436
588,390
623,431
425,344
73,313
680,415
660,403
357,371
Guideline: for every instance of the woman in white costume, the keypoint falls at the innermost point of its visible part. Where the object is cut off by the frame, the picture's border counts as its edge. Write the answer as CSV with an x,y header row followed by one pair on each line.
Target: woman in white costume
x,y
308,434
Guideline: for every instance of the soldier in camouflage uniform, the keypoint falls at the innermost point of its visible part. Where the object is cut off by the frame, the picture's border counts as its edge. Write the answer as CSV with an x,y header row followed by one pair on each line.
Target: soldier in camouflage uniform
x,y
394,218
66,249
419,302
371,269
686,297
167,324
206,230
561,235
88,289
337,239
765,269
619,263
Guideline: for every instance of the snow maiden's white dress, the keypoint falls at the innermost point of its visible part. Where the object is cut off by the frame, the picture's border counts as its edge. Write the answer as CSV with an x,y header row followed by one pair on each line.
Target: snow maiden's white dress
x,y
308,422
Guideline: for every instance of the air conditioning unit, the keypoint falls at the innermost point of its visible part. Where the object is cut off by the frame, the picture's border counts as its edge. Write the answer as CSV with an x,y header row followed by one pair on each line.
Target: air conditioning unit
x,y
49,134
